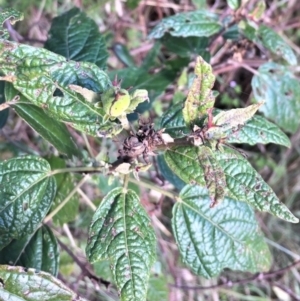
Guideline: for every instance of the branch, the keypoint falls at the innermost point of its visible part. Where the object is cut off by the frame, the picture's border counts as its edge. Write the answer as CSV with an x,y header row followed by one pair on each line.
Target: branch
x,y
82,266
229,283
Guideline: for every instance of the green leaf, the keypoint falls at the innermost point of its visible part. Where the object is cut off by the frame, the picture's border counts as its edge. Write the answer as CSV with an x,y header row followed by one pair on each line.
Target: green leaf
x,y
121,232
183,161
198,165
200,23
200,96
210,240
213,174
235,117
51,130
19,284
132,4
65,184
26,194
245,184
140,78
258,130
38,250
4,113
273,42
122,53
234,4
11,15
257,11
151,56
44,78
173,121
76,37
268,38
187,47
280,90
158,288
168,174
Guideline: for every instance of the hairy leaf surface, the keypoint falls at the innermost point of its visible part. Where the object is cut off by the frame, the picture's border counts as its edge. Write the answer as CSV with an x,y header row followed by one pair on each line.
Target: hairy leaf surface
x,y
211,239
200,23
168,174
51,130
43,78
20,284
183,161
245,184
38,250
273,42
200,96
280,90
121,232
173,121
258,130
235,117
77,37
214,176
26,194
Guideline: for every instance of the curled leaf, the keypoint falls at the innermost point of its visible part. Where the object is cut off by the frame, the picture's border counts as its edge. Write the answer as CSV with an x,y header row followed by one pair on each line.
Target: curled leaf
x,y
235,117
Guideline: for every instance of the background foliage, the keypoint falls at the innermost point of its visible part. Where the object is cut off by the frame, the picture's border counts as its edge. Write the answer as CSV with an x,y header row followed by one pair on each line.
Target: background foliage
x,y
253,51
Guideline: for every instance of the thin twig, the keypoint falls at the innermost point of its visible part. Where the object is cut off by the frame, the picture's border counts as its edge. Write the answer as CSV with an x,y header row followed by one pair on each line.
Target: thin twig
x,y
66,200
288,291
229,283
147,184
82,266
87,199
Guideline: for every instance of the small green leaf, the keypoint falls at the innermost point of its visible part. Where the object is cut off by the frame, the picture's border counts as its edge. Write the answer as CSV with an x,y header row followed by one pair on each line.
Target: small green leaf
x,y
273,42
121,232
4,113
173,121
210,240
122,53
200,23
280,90
183,161
26,194
51,130
76,37
65,184
258,130
11,15
168,174
234,4
200,96
19,284
245,184
187,47
158,288
38,250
